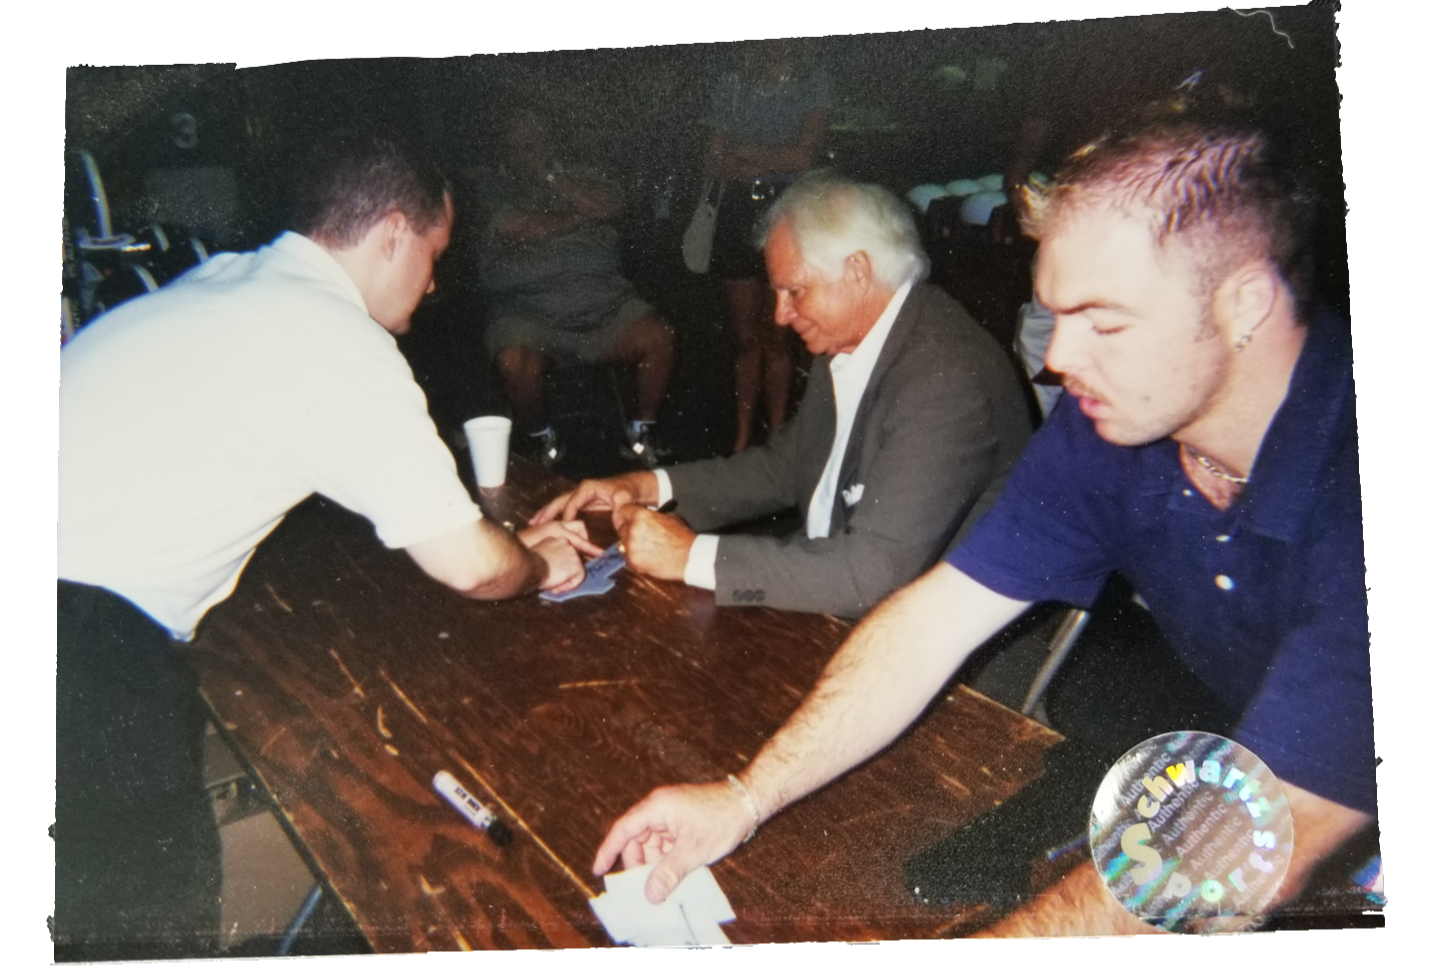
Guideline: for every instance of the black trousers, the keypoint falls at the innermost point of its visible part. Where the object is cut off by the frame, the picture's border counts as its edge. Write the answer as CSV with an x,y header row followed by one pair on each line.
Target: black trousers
x,y
137,849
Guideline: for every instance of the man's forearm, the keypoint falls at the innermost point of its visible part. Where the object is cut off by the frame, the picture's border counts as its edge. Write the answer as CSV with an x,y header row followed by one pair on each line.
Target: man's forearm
x,y
517,570
1079,905
877,684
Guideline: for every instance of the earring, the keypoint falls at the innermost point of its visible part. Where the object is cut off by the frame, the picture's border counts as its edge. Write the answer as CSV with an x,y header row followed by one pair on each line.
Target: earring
x,y
1243,342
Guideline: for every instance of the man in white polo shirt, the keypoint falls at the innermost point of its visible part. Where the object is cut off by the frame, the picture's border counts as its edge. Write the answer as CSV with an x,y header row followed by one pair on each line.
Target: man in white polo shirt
x,y
909,424
191,421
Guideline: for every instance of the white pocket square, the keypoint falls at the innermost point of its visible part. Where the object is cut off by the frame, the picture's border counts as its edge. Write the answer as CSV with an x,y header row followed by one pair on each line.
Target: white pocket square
x,y
853,494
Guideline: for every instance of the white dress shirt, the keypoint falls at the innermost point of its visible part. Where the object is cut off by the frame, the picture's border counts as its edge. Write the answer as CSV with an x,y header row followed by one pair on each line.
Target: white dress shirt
x,y
850,374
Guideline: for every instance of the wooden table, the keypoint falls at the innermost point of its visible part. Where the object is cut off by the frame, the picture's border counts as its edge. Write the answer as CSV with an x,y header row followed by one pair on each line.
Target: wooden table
x,y
346,678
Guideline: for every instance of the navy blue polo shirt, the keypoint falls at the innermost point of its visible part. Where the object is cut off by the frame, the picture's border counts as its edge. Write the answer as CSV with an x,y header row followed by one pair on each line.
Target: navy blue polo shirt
x,y
1264,601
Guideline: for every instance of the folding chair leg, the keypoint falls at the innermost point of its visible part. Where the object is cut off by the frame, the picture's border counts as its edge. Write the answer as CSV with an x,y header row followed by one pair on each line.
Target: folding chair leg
x,y
301,919
1059,647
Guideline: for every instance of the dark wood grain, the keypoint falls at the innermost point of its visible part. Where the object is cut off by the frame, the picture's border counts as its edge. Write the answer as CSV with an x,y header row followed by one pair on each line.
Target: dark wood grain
x,y
347,679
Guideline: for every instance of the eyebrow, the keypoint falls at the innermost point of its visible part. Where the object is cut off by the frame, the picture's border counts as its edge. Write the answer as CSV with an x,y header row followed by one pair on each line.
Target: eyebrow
x,y
1087,305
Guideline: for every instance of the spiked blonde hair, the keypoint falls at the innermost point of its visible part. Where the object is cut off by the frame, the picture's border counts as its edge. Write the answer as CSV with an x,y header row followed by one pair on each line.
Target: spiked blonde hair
x,y
1211,190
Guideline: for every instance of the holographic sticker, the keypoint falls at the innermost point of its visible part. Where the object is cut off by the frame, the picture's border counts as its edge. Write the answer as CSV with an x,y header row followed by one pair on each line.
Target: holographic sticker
x,y
1192,833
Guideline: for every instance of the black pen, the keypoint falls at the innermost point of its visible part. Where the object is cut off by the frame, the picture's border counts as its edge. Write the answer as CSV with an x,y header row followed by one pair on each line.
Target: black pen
x,y
669,506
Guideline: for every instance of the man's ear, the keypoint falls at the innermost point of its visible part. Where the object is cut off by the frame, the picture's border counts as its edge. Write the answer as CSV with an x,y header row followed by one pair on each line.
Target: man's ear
x,y
392,227
1246,297
858,269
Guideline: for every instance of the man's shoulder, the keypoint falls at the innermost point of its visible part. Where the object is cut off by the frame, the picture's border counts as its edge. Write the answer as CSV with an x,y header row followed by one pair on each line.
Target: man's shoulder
x,y
1306,473
936,333
1328,345
277,294
933,304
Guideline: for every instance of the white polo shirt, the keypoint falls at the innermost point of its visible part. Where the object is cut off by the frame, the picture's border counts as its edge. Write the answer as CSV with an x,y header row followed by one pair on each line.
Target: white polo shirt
x,y
193,419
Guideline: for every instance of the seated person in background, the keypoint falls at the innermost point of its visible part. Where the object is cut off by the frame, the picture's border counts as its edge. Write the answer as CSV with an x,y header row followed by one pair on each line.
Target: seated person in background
x,y
1207,449
191,421
910,421
550,270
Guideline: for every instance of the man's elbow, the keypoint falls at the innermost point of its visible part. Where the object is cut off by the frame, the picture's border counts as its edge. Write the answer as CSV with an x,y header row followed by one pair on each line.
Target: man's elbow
x,y
478,564
513,573
514,582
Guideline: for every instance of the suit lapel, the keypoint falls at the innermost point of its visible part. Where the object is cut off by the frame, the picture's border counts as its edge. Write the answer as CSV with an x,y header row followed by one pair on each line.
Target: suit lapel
x,y
893,347
818,445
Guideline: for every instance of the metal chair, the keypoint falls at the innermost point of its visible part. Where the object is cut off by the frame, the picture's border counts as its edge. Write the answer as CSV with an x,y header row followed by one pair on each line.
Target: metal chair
x,y
1060,645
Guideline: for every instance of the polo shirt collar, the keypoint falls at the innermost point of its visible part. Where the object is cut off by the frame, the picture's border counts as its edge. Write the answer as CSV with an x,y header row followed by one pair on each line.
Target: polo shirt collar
x,y
1293,458
1297,449
317,258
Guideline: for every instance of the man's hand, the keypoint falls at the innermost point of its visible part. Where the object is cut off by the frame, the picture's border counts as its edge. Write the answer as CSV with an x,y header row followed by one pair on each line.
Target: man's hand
x,y
575,533
559,545
681,827
878,682
654,544
600,494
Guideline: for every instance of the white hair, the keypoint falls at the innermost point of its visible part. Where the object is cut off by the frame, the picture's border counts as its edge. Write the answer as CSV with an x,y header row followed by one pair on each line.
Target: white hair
x,y
832,219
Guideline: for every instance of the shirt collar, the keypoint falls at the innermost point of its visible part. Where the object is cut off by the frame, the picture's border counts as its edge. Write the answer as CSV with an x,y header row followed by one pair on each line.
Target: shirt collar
x,y
1301,441
1298,446
863,358
316,257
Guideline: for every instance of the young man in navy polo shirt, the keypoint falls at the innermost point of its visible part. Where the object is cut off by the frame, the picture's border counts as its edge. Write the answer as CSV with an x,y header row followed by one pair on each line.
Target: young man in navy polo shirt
x,y
1207,449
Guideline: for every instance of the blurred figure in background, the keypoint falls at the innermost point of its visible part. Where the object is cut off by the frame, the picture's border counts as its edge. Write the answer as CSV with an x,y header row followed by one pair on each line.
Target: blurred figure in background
x,y
768,122
550,268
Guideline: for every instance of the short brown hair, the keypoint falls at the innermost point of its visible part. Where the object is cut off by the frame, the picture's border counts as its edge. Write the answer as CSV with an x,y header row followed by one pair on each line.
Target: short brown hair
x,y
353,179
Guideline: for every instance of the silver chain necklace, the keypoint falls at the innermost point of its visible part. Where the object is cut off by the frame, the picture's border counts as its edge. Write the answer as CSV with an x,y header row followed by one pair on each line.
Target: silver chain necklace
x,y
1213,468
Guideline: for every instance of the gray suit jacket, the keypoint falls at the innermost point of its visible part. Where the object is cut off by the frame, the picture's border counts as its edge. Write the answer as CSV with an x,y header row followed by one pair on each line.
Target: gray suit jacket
x,y
938,427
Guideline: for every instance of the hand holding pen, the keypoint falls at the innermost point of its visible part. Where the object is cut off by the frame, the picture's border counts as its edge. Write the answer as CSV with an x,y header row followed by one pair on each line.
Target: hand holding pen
x,y
653,543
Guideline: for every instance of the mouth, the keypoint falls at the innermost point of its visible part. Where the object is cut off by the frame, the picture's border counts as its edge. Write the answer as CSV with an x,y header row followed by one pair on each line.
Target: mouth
x,y
1089,403
803,331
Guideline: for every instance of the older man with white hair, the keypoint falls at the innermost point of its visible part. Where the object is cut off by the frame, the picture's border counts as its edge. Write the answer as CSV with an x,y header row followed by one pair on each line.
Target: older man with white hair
x,y
910,422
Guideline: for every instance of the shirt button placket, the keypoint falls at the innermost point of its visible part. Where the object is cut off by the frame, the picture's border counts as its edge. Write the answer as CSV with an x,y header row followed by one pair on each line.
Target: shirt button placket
x,y
1224,554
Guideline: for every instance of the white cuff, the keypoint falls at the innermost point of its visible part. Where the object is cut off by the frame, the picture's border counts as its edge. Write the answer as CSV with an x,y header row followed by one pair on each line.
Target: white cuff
x,y
699,570
666,491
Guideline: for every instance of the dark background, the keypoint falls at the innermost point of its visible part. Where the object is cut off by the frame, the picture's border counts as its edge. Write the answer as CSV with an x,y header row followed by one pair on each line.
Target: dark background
x,y
907,108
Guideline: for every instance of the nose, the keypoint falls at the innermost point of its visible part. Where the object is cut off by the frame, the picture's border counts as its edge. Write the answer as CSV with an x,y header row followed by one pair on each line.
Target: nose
x,y
1064,346
783,309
